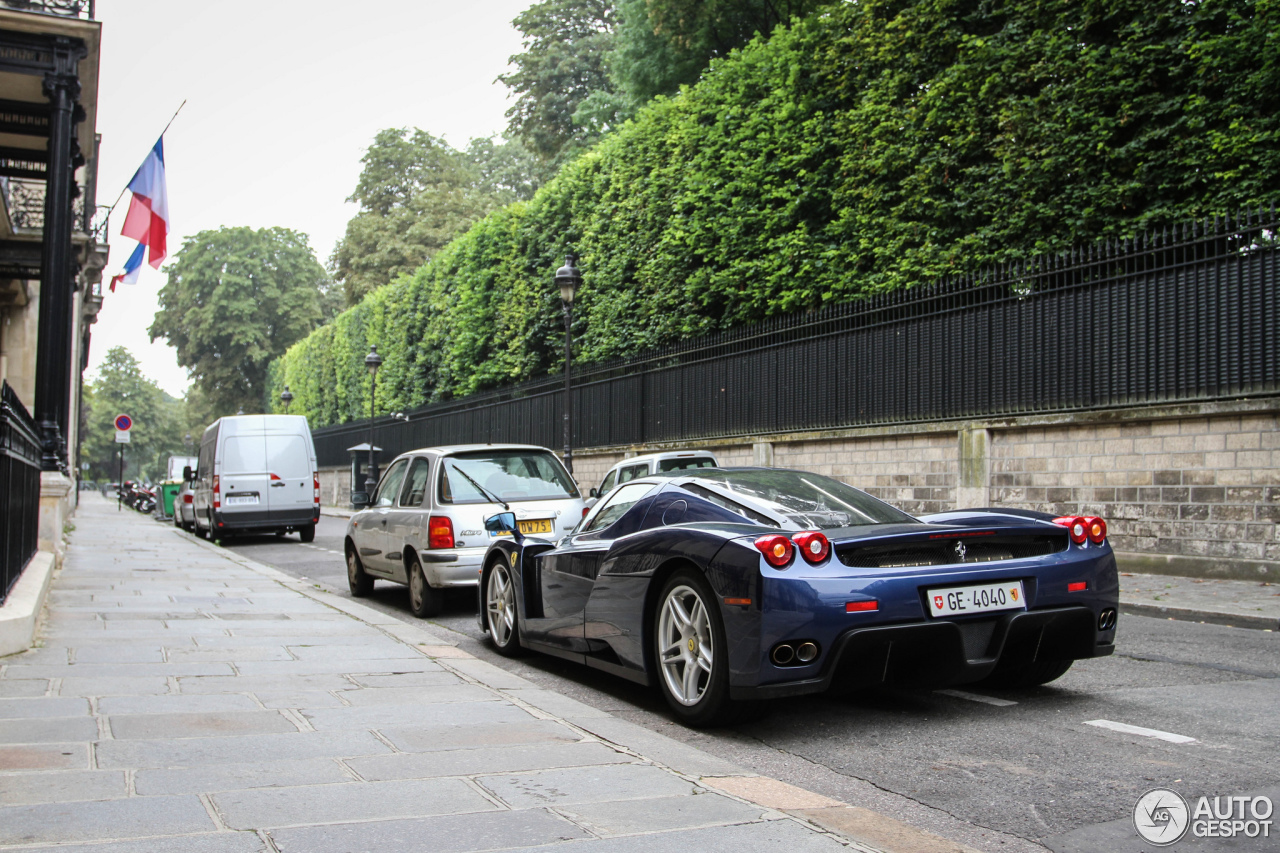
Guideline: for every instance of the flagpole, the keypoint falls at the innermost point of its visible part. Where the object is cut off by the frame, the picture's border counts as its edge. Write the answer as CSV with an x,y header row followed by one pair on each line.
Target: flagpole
x,y
162,133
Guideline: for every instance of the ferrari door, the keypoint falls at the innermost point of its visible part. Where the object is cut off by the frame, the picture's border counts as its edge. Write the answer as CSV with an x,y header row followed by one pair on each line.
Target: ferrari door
x,y
566,575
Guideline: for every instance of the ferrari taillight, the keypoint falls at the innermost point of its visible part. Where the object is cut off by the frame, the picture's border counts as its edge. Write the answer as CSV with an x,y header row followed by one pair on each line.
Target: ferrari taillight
x,y
1076,528
812,545
1096,528
777,550
439,532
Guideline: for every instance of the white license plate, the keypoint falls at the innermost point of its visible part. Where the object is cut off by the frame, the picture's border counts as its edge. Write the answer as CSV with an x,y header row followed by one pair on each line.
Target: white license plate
x,y
959,600
240,500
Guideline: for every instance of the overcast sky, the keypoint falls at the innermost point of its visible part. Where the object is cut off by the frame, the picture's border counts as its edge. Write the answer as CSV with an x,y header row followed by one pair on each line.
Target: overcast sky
x,y
283,98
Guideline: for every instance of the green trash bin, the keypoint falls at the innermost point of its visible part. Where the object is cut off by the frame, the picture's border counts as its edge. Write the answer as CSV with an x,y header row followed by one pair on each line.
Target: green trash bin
x,y
168,494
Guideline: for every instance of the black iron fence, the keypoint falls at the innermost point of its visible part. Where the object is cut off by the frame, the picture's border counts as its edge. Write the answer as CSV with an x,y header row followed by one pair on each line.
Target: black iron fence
x,y
1189,313
19,488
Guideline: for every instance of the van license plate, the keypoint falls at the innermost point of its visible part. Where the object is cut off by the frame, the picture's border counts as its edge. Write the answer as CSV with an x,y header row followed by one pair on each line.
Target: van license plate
x,y
239,500
534,525
958,600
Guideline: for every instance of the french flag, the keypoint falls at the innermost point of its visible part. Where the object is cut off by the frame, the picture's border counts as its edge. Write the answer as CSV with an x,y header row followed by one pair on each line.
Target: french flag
x,y
131,269
148,218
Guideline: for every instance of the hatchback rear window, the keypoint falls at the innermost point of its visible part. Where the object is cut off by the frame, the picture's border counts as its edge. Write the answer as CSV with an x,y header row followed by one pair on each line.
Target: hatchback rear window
x,y
508,475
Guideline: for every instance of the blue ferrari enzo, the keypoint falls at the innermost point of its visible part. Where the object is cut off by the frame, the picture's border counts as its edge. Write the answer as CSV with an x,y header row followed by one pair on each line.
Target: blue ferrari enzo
x,y
727,585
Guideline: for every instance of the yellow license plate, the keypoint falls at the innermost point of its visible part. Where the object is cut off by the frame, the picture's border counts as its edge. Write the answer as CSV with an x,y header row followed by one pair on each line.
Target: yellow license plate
x,y
534,525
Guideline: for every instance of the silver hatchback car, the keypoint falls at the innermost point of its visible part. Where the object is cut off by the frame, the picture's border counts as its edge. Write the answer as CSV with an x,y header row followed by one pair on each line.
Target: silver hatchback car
x,y
424,525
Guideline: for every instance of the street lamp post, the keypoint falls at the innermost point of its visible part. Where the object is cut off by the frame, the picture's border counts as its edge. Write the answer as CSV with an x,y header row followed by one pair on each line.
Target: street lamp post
x,y
286,397
372,361
568,279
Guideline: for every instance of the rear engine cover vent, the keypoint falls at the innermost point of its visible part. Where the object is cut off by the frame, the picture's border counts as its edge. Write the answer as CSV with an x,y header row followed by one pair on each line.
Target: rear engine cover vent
x,y
947,552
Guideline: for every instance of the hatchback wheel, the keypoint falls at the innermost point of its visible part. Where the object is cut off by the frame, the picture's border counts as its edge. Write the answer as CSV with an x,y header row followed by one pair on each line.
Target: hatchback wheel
x,y
424,601
500,609
690,652
361,584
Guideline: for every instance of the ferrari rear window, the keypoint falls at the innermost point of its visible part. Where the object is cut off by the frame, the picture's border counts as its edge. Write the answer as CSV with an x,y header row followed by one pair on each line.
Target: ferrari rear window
x,y
807,500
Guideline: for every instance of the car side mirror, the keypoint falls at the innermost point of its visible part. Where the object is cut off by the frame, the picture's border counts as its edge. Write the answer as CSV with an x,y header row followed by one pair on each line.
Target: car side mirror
x,y
503,522
595,493
359,500
187,474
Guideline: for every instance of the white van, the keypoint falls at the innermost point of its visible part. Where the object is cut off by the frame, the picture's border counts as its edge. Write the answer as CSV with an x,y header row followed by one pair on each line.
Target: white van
x,y
257,474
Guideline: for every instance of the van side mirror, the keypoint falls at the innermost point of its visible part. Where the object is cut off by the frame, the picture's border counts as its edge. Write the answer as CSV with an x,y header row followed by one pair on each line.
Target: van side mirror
x,y
359,500
187,474
595,493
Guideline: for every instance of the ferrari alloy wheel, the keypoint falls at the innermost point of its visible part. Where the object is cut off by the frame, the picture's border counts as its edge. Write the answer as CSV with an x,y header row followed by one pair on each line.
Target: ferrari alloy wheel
x,y
500,609
424,601
690,652
361,584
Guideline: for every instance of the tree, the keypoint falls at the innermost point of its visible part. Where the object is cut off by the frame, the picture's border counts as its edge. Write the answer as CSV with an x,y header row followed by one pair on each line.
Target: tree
x,y
236,299
121,388
416,194
662,45
564,62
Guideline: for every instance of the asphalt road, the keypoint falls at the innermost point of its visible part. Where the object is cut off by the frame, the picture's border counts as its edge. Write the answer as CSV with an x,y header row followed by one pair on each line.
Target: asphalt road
x,y
998,770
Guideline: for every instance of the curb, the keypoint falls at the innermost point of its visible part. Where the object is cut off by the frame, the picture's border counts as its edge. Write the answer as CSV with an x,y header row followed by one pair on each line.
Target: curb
x,y
1186,614
20,615
862,829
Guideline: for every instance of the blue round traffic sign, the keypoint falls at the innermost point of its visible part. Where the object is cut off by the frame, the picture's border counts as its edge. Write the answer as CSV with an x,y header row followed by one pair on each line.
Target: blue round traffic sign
x,y
123,423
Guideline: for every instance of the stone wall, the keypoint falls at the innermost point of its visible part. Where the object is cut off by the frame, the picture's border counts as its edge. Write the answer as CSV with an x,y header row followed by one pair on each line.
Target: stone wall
x,y
1185,489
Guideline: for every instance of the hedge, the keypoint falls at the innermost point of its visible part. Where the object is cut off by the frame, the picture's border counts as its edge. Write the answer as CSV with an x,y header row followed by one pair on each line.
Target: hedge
x,y
873,146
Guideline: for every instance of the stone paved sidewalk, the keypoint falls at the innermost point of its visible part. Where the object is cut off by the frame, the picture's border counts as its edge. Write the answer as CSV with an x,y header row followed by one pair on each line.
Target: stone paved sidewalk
x,y
1244,604
184,700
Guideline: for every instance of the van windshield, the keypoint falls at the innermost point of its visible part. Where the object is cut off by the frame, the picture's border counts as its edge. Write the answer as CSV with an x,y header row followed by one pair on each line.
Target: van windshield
x,y
511,475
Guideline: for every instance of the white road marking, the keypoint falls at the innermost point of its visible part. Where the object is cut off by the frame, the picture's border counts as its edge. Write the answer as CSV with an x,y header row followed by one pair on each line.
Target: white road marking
x,y
1125,728
978,697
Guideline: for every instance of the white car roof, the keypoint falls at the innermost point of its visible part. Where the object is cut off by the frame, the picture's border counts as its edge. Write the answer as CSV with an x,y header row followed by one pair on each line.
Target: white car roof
x,y
451,449
669,454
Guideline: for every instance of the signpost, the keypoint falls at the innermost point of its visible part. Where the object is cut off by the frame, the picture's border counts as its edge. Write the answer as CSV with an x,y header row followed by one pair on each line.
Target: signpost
x,y
124,423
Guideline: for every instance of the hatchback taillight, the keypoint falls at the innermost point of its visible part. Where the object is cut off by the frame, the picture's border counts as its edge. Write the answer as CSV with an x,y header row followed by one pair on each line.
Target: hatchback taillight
x,y
439,532
777,550
186,499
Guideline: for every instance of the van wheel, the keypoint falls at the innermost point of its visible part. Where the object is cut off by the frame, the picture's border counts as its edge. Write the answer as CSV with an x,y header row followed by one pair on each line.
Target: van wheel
x,y
361,584
424,601
307,533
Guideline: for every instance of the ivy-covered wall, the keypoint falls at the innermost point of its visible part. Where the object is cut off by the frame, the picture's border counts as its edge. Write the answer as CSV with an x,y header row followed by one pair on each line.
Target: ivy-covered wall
x,y
873,146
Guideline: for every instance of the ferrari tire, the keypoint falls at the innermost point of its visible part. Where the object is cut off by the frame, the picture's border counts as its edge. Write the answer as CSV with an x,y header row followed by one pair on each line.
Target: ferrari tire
x,y
424,600
307,533
361,584
1029,675
499,603
691,653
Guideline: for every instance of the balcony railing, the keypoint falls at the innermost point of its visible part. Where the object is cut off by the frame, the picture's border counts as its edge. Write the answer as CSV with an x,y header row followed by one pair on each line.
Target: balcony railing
x,y
61,8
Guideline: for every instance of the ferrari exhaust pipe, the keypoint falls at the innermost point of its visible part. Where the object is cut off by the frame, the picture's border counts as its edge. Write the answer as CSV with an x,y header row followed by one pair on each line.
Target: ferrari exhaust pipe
x,y
806,652
783,654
